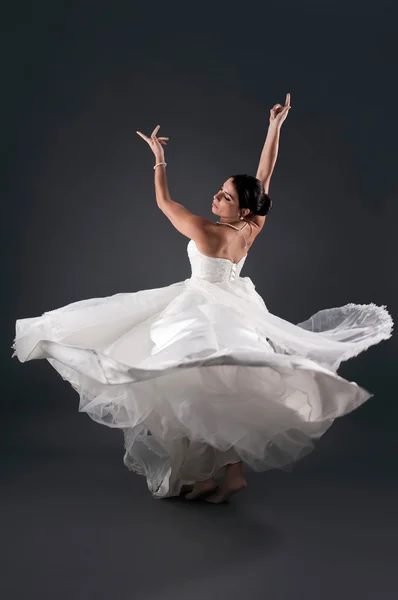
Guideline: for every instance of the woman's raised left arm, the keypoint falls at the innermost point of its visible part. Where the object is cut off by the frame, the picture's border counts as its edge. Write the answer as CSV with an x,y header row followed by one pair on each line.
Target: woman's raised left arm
x,y
192,226
161,189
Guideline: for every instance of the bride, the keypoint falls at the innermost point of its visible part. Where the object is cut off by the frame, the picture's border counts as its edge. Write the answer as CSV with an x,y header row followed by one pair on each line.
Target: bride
x,y
201,378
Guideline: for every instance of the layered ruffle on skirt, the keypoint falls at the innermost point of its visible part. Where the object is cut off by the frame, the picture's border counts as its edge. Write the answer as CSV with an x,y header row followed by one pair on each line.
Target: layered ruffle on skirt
x,y
198,375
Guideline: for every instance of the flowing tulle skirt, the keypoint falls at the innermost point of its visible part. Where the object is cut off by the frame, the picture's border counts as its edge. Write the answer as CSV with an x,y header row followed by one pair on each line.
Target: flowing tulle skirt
x,y
199,375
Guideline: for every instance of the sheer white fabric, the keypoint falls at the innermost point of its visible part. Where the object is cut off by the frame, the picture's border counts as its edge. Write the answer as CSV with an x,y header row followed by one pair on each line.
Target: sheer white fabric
x,y
199,374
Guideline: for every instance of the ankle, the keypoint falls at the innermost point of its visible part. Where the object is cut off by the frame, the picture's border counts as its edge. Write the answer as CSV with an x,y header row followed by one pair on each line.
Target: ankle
x,y
234,470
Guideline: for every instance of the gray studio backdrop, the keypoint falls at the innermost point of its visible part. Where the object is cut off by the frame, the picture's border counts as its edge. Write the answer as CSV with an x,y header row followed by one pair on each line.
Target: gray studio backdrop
x,y
80,217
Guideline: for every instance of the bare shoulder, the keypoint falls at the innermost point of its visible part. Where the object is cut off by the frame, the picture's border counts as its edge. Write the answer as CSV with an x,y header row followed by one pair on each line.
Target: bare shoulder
x,y
224,242
193,226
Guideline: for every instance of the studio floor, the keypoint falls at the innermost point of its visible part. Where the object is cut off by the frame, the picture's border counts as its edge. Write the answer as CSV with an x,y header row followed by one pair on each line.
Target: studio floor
x,y
76,524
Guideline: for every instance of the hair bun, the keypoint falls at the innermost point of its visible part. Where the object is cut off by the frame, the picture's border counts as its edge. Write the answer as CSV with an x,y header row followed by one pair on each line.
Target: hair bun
x,y
251,194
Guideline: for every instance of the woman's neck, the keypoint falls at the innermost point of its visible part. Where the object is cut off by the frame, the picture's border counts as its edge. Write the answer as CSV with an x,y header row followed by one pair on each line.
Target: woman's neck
x,y
231,222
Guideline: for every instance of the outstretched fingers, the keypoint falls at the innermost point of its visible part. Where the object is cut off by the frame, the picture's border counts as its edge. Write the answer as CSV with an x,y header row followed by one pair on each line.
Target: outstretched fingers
x,y
144,137
162,139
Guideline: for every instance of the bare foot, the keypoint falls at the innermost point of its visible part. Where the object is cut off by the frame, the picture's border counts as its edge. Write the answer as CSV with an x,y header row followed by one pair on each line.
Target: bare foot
x,y
201,487
228,488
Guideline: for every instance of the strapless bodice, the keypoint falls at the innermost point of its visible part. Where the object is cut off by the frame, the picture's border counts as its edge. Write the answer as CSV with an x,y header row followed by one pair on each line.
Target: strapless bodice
x,y
212,268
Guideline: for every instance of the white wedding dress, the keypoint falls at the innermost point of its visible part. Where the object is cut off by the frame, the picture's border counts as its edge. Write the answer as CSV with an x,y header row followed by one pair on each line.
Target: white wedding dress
x,y
199,374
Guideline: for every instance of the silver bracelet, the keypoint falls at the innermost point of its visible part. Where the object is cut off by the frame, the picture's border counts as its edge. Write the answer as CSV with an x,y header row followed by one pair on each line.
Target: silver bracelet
x,y
162,163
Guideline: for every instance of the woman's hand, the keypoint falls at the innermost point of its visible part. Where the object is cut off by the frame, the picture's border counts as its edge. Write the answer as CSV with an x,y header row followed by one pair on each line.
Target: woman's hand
x,y
155,143
279,113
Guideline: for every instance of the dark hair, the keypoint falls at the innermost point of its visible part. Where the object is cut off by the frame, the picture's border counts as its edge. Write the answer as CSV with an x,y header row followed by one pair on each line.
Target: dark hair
x,y
251,194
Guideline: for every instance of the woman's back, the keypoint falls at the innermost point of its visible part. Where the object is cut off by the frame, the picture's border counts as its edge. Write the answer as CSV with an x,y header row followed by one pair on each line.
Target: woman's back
x,y
230,241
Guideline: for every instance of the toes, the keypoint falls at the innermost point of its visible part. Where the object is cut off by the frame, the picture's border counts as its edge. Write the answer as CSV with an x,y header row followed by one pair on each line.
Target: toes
x,y
200,492
226,493
192,495
215,499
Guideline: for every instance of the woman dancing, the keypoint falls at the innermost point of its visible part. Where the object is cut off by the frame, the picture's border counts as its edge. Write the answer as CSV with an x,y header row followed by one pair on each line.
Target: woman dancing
x,y
199,375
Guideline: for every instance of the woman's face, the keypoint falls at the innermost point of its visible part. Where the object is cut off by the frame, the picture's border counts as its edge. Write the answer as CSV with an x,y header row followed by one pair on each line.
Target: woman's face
x,y
225,202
